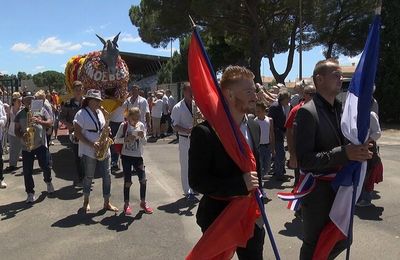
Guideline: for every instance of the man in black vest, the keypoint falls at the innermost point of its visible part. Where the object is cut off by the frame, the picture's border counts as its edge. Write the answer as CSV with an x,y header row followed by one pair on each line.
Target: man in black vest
x,y
322,149
212,172
67,115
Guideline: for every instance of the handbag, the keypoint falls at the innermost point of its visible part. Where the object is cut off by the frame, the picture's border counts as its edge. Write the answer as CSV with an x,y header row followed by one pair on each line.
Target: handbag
x,y
118,147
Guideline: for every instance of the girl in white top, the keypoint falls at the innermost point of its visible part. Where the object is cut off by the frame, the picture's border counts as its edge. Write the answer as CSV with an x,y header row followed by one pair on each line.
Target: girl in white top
x,y
131,134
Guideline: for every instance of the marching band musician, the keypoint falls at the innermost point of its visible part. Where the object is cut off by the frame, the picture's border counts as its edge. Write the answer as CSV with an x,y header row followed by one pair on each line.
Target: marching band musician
x,y
38,147
89,122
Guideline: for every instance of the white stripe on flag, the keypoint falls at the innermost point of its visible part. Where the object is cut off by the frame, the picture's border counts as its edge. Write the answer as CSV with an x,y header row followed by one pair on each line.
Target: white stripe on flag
x,y
349,119
341,208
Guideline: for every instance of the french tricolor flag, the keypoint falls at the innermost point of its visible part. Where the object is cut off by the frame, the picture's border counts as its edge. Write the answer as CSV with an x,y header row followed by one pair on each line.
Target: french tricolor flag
x,y
355,127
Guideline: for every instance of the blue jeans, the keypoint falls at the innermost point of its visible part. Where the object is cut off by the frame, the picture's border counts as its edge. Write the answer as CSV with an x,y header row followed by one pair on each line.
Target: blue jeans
x,y
114,155
279,161
90,166
265,158
28,159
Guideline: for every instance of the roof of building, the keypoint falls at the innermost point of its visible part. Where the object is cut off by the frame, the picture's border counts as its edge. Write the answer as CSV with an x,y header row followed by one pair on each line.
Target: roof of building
x,y
143,64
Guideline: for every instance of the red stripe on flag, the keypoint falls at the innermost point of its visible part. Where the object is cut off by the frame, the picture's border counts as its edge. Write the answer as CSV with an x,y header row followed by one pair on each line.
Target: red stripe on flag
x,y
235,225
327,240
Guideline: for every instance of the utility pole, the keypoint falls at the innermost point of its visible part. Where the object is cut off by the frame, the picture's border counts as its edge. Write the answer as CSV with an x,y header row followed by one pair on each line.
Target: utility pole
x,y
171,64
300,41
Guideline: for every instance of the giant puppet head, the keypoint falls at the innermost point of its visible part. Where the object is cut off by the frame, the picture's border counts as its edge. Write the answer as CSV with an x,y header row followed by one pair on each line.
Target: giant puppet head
x,y
103,70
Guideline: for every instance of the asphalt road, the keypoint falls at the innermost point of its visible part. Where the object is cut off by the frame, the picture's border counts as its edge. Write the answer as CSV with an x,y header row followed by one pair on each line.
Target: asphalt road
x,y
54,228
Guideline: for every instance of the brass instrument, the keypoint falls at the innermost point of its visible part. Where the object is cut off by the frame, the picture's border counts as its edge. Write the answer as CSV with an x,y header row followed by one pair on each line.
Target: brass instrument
x,y
104,140
29,135
197,115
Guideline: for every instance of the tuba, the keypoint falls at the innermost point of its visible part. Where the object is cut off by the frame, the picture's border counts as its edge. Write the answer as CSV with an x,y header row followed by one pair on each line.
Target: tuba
x,y
104,140
29,135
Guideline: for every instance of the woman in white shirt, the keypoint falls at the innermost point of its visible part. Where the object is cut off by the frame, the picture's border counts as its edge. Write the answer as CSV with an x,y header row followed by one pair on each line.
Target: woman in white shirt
x,y
15,142
156,114
88,125
131,134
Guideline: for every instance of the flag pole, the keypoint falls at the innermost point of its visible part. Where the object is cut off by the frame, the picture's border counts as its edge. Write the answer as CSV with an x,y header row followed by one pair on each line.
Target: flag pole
x,y
267,226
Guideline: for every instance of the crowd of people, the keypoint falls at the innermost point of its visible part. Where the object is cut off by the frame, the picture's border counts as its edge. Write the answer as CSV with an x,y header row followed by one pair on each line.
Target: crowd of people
x,y
308,122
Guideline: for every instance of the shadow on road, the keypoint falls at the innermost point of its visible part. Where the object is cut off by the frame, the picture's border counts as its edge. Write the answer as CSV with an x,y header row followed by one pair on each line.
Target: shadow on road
x,y
274,184
120,222
11,210
369,213
293,229
78,218
180,207
64,164
68,193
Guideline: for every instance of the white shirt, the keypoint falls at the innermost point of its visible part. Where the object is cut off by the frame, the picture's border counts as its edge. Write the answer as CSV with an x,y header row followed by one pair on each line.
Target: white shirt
x,y
139,102
265,127
157,109
244,128
165,105
117,115
83,119
374,127
11,127
135,148
182,116
3,119
171,103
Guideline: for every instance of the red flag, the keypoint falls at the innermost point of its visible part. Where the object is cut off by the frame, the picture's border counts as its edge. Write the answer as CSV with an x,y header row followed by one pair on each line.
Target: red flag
x,y
235,225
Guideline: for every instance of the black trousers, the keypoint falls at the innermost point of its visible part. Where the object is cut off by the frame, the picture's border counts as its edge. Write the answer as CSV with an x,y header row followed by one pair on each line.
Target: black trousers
x,y
78,162
315,211
1,163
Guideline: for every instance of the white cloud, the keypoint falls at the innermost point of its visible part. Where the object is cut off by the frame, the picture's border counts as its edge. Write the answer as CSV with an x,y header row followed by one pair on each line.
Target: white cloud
x,y
63,65
126,37
39,68
91,44
3,72
89,30
21,47
51,45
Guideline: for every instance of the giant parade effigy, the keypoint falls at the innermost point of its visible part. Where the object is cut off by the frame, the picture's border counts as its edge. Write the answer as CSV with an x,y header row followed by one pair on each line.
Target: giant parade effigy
x,y
104,70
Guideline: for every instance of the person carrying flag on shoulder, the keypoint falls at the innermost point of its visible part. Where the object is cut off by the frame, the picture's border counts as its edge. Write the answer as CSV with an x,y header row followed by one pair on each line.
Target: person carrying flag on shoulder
x,y
213,172
322,150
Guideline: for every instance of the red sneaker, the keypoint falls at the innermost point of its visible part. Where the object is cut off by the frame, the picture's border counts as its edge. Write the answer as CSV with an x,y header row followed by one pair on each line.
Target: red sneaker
x,y
146,208
127,209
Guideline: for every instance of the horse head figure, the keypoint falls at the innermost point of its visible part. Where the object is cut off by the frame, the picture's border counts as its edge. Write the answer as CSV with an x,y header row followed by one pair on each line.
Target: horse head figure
x,y
110,53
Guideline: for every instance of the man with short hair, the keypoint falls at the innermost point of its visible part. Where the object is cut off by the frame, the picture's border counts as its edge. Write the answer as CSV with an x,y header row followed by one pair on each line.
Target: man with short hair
x,y
278,114
67,115
182,122
212,171
299,93
39,147
135,100
321,150
308,94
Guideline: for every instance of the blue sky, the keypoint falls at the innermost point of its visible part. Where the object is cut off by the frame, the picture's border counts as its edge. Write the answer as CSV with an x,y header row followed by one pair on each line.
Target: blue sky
x,y
43,34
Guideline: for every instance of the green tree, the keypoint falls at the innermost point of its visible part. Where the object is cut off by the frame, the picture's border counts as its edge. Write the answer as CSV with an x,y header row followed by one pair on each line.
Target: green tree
x,y
23,76
177,65
338,25
49,80
252,28
388,91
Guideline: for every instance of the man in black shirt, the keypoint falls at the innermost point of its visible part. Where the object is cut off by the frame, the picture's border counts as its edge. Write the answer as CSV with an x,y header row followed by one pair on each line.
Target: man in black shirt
x,y
67,115
322,149
212,171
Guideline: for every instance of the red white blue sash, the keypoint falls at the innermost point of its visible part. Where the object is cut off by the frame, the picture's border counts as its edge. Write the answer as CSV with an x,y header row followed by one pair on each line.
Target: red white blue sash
x,y
305,186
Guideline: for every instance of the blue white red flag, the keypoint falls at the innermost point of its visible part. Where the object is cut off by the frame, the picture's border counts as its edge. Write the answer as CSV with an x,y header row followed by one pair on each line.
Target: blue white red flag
x,y
355,127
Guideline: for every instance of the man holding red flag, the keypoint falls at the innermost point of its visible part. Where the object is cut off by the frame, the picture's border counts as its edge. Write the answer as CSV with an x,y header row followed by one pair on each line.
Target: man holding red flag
x,y
321,150
214,173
